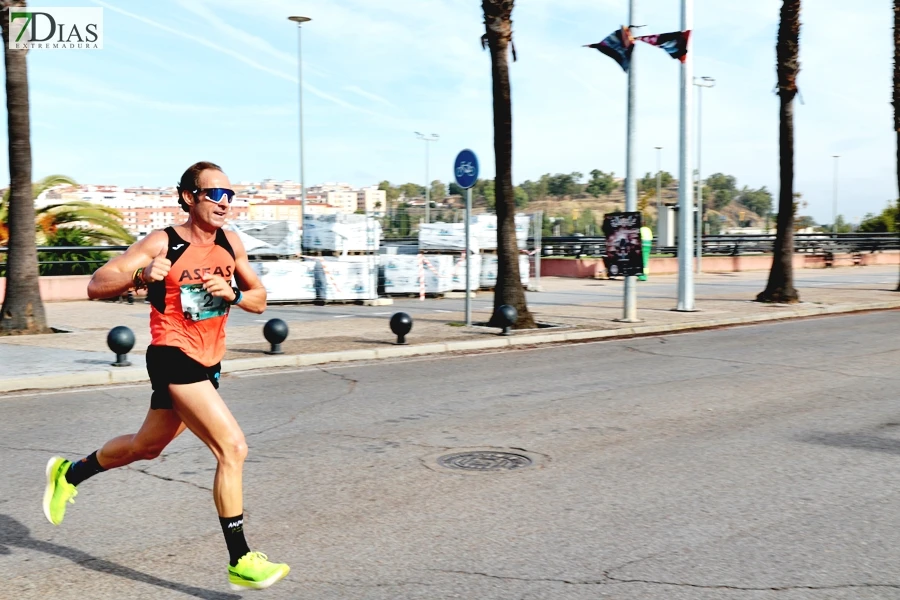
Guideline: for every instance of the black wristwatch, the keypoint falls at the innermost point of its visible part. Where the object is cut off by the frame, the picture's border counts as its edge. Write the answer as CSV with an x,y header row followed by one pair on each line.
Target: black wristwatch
x,y
238,296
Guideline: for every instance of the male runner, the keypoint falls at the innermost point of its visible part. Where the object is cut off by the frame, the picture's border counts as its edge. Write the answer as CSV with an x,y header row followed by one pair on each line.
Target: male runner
x,y
187,270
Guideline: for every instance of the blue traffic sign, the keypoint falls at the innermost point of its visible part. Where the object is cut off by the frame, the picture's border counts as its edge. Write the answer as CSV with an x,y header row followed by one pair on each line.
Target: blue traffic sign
x,y
466,169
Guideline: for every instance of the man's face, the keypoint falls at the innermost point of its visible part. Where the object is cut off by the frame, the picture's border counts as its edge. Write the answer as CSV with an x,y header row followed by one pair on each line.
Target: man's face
x,y
205,210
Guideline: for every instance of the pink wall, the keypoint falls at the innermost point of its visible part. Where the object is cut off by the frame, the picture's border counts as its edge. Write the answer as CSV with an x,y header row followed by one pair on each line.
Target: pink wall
x,y
593,267
55,289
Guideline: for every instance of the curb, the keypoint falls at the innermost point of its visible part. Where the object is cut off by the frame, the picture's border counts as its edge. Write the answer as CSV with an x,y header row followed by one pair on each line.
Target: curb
x,y
139,374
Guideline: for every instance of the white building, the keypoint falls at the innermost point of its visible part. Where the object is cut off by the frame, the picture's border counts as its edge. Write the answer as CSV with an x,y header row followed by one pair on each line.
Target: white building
x,y
371,201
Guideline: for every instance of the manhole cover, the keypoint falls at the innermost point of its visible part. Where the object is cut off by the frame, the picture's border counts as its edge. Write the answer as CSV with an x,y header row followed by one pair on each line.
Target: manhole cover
x,y
484,460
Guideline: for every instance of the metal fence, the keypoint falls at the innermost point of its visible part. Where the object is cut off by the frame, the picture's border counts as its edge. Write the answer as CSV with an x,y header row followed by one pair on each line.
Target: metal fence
x,y
578,246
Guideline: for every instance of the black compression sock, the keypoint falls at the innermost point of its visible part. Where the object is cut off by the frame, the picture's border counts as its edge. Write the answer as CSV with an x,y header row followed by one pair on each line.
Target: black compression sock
x,y
233,528
84,468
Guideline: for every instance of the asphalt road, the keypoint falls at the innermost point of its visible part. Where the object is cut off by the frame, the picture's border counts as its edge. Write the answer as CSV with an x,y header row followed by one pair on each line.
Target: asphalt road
x,y
747,284
755,463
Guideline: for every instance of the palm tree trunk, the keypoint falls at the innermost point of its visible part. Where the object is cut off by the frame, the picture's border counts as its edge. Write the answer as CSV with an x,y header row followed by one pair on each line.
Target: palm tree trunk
x,y
780,287
508,290
897,103
22,311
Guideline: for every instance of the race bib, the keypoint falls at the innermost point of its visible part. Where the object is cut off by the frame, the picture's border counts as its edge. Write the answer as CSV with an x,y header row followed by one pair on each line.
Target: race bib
x,y
198,304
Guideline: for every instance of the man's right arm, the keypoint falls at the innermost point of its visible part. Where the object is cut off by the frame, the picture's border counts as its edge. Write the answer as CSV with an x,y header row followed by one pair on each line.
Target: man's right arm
x,y
117,276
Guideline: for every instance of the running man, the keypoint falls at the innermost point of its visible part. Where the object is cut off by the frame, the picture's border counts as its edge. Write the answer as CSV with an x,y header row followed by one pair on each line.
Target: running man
x,y
187,270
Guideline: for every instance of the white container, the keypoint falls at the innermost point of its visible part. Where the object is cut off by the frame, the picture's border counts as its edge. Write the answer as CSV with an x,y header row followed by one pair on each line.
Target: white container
x,y
342,233
287,280
406,274
347,277
446,236
459,272
488,278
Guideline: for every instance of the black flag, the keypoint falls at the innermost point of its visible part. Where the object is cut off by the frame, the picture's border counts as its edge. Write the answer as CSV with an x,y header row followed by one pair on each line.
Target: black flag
x,y
675,42
618,46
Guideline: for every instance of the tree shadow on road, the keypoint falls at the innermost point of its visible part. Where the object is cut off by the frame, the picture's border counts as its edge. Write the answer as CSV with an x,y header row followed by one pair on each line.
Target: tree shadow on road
x,y
13,533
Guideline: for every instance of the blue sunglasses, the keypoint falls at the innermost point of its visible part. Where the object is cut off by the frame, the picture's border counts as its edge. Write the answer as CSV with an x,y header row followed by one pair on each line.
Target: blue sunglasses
x,y
217,194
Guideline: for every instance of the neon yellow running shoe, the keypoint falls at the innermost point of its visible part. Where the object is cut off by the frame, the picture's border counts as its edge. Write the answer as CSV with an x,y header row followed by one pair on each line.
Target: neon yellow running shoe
x,y
254,571
58,492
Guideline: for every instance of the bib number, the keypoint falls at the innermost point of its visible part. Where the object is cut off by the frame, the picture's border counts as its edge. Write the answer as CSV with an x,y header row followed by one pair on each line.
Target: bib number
x,y
198,304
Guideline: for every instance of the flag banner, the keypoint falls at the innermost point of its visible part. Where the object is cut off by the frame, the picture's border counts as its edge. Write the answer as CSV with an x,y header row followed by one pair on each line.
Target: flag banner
x,y
675,42
624,256
618,46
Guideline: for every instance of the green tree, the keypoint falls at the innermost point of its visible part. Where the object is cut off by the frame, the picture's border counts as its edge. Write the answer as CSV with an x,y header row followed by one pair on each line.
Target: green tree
x,y
586,223
563,184
455,189
759,201
780,287
722,189
647,183
71,262
438,191
601,183
521,197
840,225
536,190
402,220
412,190
881,223
497,37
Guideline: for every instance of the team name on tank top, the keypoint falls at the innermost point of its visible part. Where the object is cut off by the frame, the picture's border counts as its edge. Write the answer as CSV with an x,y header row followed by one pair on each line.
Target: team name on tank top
x,y
182,313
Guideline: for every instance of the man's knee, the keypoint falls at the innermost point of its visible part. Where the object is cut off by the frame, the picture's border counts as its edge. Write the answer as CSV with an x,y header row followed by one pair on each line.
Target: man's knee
x,y
234,451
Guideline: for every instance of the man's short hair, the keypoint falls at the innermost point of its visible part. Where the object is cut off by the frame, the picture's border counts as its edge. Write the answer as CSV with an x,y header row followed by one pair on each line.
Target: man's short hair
x,y
190,181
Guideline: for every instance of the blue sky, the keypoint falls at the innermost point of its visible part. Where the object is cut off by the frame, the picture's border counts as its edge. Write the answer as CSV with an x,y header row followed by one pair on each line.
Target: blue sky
x,y
186,80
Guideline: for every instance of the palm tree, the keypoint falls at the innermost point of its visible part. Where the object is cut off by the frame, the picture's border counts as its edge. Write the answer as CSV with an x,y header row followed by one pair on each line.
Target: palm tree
x,y
22,310
498,37
781,278
98,224
897,99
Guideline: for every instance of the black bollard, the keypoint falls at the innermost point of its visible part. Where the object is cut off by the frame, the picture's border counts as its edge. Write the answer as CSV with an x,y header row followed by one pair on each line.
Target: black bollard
x,y
505,317
275,332
401,324
120,340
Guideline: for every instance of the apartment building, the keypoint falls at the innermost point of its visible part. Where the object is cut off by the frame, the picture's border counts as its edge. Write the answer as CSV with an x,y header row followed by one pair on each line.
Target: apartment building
x,y
371,201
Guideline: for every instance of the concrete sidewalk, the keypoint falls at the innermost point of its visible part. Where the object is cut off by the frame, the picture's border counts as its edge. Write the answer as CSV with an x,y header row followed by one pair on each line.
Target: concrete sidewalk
x,y
81,357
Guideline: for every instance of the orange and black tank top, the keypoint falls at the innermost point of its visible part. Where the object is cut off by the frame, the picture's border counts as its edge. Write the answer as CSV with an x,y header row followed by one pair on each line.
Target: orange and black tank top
x,y
182,313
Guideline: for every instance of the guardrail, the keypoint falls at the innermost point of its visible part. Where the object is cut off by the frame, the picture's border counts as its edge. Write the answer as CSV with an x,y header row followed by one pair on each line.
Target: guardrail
x,y
824,244
730,245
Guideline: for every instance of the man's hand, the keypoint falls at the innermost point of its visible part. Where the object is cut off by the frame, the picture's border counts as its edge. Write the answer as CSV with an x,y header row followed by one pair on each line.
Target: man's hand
x,y
218,287
158,268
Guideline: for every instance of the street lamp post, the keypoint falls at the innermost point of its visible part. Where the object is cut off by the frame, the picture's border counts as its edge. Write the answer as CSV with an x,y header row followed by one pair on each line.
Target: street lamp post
x,y
701,82
427,138
659,211
835,190
300,21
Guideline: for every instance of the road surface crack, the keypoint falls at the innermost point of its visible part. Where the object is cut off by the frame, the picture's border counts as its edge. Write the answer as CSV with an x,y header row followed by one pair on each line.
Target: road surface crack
x,y
351,387
608,579
164,478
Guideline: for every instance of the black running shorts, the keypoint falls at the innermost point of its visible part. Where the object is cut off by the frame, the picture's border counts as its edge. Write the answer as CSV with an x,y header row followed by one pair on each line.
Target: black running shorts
x,y
168,365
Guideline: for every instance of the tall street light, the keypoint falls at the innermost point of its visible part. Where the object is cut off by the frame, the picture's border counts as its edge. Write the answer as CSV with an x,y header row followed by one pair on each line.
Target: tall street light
x,y
701,82
300,21
659,211
834,207
427,138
